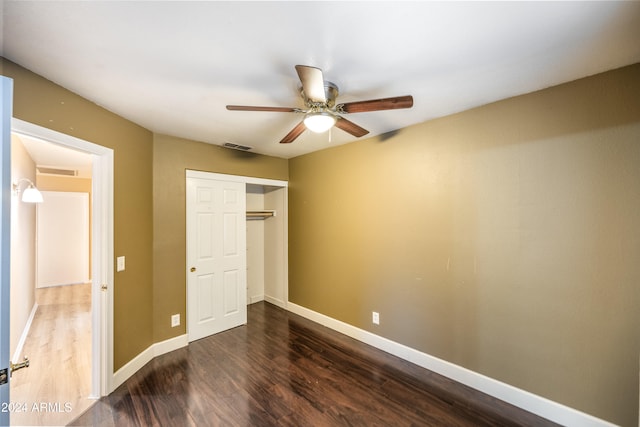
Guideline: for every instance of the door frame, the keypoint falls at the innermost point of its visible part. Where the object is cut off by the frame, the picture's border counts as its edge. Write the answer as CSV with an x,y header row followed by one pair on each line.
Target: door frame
x,y
101,249
6,103
189,173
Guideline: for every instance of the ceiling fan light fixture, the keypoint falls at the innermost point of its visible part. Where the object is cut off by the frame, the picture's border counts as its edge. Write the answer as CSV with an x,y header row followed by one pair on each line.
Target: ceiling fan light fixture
x,y
319,122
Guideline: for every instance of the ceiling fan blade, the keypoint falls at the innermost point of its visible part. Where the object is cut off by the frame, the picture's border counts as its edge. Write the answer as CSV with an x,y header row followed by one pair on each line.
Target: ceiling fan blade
x,y
252,108
376,104
295,132
312,83
350,127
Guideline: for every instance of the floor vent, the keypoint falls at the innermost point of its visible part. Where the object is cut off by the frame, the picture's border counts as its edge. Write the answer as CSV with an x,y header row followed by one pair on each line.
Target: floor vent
x,y
236,146
57,171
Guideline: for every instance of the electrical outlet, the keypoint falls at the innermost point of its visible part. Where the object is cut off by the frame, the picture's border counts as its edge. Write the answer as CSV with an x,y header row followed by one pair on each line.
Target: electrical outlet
x,y
175,320
375,318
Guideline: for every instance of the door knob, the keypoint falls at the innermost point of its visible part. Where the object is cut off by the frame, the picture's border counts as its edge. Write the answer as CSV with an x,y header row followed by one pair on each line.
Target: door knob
x,y
193,269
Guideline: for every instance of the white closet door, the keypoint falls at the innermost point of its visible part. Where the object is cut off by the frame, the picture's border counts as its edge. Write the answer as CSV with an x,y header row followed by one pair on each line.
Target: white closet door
x,y
216,256
63,239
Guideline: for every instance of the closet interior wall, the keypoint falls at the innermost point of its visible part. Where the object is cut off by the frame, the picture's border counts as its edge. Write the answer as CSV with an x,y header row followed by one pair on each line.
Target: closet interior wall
x,y
266,250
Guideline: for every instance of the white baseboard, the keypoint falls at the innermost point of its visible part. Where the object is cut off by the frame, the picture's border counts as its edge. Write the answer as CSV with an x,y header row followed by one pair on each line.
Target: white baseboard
x,y
275,301
25,332
256,298
171,344
538,405
154,350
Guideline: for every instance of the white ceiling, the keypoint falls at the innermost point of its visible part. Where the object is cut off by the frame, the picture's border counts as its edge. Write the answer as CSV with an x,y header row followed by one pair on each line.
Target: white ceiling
x,y
46,154
173,66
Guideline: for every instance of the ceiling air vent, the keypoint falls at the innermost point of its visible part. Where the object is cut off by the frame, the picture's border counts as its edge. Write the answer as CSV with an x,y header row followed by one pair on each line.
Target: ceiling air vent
x,y
56,171
236,146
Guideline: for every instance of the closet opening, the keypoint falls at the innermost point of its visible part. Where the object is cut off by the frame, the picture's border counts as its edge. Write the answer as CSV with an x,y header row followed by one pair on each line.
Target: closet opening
x,y
266,244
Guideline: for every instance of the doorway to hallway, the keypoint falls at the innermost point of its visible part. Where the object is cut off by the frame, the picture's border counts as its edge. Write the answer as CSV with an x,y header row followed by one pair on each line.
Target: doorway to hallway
x,y
87,306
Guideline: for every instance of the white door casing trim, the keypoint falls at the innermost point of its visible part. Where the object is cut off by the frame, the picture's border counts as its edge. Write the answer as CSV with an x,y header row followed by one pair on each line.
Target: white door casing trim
x,y
102,249
266,182
235,178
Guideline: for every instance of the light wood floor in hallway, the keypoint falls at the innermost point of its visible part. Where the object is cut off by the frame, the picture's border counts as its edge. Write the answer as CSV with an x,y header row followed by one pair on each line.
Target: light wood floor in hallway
x,y
58,380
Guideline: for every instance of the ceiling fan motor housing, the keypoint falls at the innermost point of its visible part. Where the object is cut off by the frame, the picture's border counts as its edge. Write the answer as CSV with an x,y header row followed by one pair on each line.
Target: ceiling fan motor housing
x,y
330,92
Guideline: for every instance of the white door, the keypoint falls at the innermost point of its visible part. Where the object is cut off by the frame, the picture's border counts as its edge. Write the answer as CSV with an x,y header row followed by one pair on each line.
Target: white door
x,y
6,95
62,221
216,256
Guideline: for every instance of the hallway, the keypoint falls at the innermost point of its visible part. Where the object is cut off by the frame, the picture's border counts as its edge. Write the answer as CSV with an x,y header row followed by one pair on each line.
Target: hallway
x,y
53,390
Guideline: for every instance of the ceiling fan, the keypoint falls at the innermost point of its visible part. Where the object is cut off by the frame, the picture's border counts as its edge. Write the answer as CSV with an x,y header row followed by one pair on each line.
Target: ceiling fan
x,y
322,112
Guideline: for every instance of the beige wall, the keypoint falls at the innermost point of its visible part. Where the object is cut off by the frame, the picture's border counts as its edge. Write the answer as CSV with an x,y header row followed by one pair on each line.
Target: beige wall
x,y
142,306
23,249
39,101
171,157
504,239
64,183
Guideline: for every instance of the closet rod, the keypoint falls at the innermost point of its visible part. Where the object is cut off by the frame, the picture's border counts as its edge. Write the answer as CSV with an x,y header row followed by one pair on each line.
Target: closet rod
x,y
260,214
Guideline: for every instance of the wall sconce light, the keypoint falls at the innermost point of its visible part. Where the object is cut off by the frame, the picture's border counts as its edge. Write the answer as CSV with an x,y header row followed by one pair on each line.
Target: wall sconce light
x,y
30,194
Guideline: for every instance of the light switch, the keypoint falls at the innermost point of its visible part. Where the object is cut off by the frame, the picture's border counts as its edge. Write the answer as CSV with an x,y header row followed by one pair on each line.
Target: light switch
x,y
120,263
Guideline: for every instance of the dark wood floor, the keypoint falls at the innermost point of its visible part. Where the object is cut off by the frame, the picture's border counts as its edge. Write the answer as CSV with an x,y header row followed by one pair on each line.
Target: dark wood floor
x,y
282,369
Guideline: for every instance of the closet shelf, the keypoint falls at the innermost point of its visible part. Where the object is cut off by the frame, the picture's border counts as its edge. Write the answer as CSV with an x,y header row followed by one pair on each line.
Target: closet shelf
x,y
260,214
